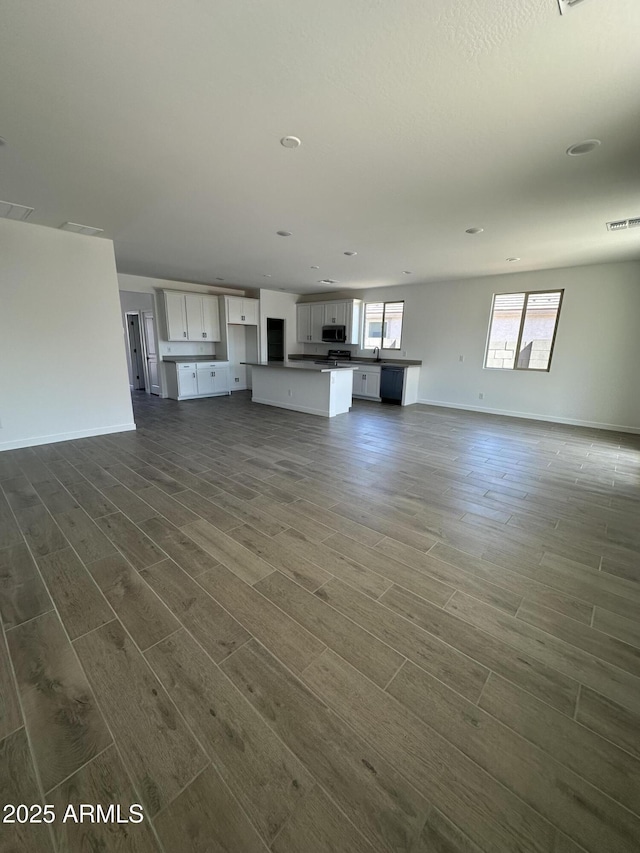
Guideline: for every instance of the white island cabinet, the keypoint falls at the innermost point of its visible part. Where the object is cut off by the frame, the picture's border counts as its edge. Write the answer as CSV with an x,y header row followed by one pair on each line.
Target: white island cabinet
x,y
188,380
303,387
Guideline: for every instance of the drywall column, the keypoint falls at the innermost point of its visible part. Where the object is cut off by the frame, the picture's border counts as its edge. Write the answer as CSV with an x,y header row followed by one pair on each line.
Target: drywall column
x,y
64,372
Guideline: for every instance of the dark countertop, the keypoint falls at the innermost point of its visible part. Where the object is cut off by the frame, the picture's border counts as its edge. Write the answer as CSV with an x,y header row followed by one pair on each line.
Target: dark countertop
x,y
298,365
396,362
187,359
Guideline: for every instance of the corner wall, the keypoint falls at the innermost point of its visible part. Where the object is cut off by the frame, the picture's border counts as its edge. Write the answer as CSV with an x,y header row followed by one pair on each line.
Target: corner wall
x,y
64,371
279,305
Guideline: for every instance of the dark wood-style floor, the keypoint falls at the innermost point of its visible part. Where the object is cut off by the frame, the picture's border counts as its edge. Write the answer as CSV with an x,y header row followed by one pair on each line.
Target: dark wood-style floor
x,y
400,630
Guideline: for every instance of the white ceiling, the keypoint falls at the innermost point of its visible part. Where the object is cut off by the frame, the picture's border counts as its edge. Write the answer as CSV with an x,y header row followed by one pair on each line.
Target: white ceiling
x,y
159,122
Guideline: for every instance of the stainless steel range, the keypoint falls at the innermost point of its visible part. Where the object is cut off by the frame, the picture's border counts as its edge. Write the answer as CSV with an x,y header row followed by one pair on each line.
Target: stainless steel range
x,y
334,356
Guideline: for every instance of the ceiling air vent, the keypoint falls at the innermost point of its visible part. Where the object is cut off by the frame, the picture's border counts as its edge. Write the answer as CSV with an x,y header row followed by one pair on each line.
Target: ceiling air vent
x,y
14,211
81,229
623,224
567,5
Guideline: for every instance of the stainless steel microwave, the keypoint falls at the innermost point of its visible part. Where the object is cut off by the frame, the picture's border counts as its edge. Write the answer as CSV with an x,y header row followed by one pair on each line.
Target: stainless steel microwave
x,y
334,334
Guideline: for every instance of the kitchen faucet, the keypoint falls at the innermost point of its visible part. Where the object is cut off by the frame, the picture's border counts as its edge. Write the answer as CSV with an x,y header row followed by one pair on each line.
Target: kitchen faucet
x,y
376,352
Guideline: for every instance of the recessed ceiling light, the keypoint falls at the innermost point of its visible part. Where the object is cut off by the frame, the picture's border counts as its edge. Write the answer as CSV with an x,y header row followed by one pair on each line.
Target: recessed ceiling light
x,y
581,148
474,230
283,233
511,260
350,254
290,142
81,229
315,268
407,272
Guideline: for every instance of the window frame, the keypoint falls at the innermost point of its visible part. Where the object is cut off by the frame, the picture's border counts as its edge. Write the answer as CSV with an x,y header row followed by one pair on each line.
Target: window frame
x,y
523,316
384,302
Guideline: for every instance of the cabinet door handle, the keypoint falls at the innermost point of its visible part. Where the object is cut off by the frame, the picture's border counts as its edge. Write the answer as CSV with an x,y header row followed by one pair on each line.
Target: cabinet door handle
x,y
364,376
204,334
243,317
184,334
194,376
214,373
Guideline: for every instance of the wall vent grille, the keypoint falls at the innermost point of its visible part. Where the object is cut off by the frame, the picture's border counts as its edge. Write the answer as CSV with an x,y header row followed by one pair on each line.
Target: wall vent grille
x,y
566,5
81,229
19,212
623,224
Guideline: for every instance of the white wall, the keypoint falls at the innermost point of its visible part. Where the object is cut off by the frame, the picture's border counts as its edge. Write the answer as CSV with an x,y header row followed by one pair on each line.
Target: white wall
x,y
64,371
278,305
595,372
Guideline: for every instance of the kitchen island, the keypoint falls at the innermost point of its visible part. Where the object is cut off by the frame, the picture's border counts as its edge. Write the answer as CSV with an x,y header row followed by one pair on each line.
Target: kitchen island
x,y
317,389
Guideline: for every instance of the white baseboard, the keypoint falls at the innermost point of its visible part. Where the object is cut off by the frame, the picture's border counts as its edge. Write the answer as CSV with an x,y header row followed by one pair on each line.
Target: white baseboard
x,y
304,409
64,436
531,417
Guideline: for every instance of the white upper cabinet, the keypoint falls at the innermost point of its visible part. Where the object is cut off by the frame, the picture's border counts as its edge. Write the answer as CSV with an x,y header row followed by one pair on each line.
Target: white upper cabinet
x,y
335,313
176,316
242,311
211,318
303,323
191,317
312,316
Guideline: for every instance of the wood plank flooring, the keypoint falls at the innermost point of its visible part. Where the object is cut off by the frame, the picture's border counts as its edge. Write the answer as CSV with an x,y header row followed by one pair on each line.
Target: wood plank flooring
x,y
398,630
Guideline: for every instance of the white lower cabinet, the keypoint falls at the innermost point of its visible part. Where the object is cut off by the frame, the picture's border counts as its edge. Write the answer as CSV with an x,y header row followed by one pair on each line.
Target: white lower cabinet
x,y
212,379
197,379
366,382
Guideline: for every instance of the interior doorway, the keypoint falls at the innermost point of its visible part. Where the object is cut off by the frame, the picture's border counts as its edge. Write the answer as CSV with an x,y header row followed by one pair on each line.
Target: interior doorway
x,y
275,339
136,353
151,377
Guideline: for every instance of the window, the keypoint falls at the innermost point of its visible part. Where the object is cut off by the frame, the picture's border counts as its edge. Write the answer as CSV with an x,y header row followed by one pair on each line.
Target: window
x,y
383,325
522,330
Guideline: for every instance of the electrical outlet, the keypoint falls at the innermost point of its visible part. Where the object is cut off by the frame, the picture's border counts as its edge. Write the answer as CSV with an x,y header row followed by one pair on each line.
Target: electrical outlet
x,y
481,396
237,379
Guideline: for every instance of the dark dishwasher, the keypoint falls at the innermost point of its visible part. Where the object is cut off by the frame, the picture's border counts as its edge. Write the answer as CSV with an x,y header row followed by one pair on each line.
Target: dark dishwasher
x,y
391,382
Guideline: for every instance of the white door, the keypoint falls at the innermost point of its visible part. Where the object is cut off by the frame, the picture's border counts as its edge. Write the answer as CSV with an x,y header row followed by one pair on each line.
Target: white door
x,y
176,318
210,318
193,308
372,383
335,314
234,309
206,383
303,323
221,380
317,322
153,386
187,383
250,311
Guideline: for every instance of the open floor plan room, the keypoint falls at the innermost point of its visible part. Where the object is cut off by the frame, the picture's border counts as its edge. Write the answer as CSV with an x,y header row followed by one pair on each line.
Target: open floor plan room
x,y
407,629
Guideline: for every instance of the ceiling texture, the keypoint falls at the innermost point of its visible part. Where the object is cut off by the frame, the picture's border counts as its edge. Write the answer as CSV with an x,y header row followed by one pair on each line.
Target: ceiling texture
x,y
160,122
